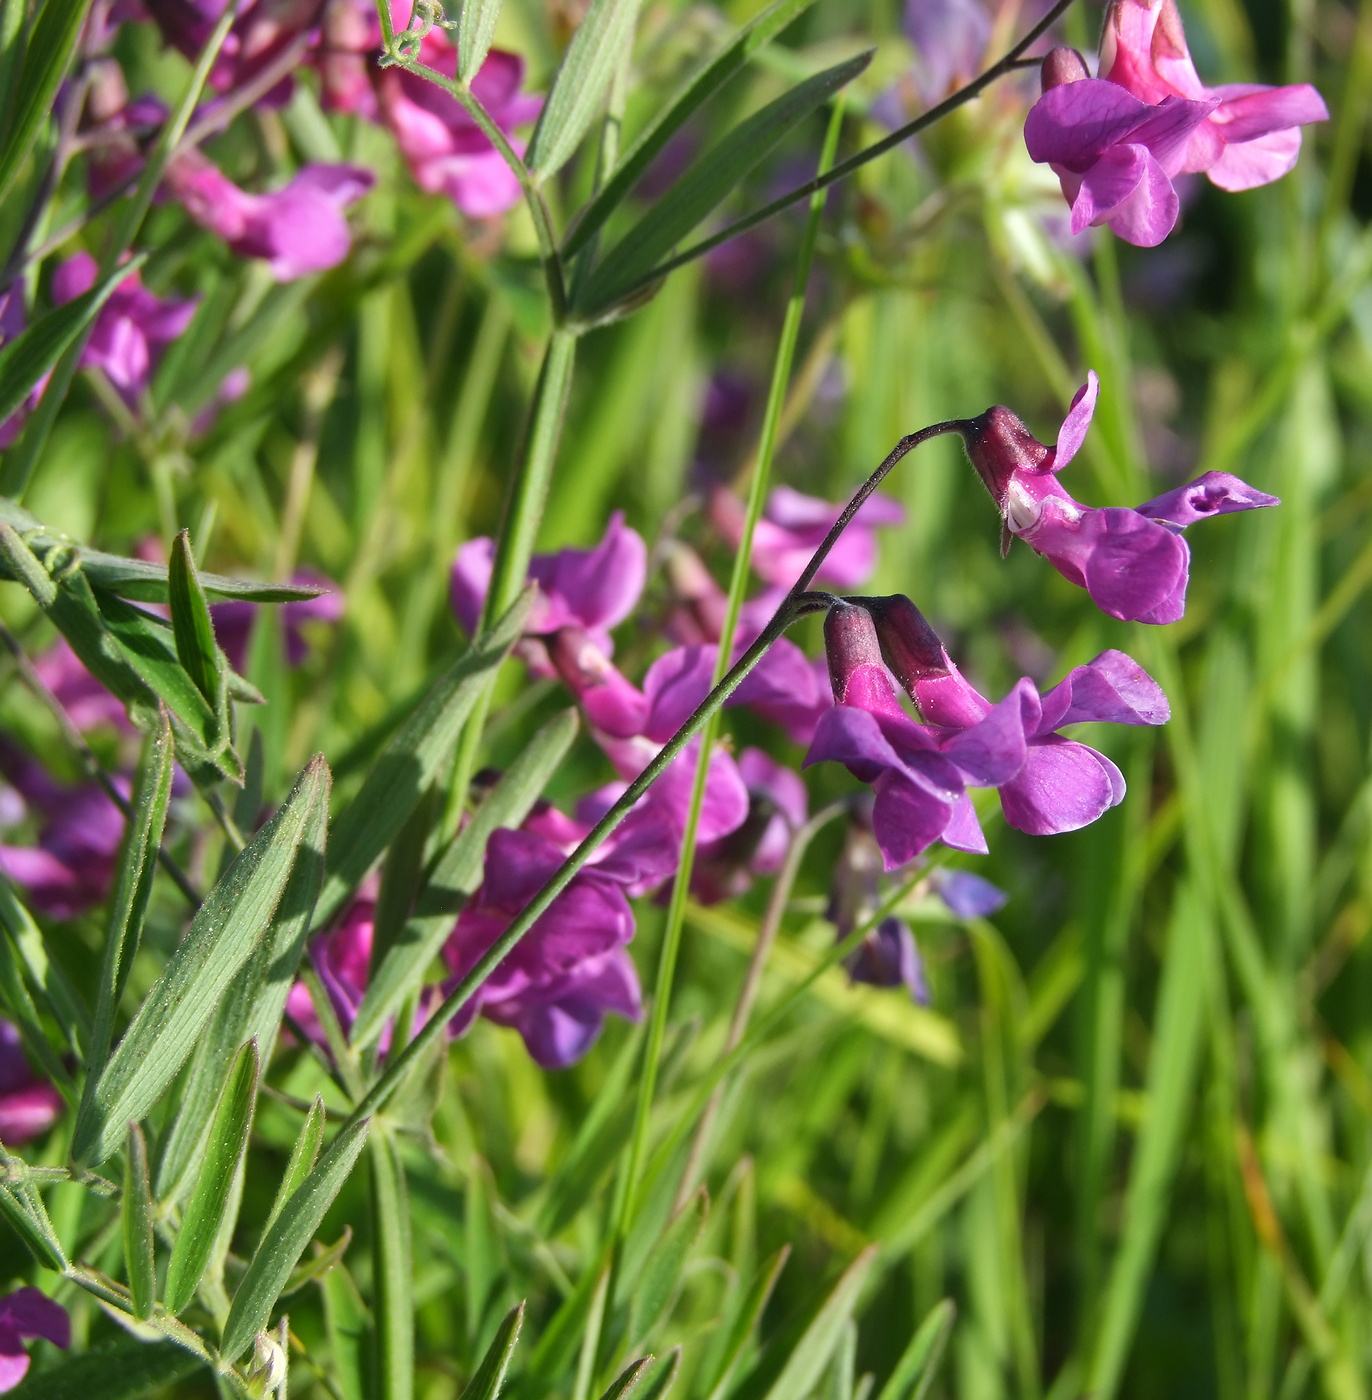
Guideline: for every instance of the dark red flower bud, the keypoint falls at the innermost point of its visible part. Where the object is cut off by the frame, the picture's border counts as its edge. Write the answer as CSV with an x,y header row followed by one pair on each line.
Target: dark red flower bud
x,y
909,646
1062,66
1000,445
850,643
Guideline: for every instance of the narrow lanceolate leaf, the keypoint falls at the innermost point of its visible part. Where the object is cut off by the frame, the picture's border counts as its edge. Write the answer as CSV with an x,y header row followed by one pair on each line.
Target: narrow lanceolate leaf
x,y
663,1378
133,885
475,30
204,1214
581,83
412,760
812,1352
34,351
303,1157
136,1221
705,184
46,56
627,1381
745,1320
50,984
456,873
918,1366
22,1208
490,1375
192,629
661,1277
230,925
393,1267
285,1242
251,1009
697,90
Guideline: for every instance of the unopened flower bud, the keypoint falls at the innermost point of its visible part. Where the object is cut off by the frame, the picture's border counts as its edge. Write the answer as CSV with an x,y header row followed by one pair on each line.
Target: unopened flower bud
x,y
1062,65
850,644
268,1369
909,646
999,445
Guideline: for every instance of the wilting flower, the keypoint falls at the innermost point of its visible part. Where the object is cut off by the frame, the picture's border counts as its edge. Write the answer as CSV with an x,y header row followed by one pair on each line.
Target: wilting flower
x,y
1251,135
777,808
569,971
132,329
1114,155
794,525
298,229
28,1105
1133,563
445,149
71,867
27,1313
233,620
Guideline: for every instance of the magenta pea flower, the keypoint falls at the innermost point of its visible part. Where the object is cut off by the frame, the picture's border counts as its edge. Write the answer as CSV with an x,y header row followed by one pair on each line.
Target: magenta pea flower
x,y
342,957
793,526
25,1314
1134,563
28,1105
557,985
1114,155
133,327
1252,134
445,149
260,33
298,229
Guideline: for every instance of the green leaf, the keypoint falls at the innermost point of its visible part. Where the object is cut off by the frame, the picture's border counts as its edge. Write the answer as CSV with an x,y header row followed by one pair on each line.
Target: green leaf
x,y
918,1366
133,885
303,1157
411,761
126,1369
318,1264
346,1321
285,1242
393,1265
229,926
23,1208
456,873
746,1319
490,1375
697,90
481,1253
581,83
46,56
192,629
14,994
811,1354
204,1214
45,976
136,1222
34,351
663,1377
627,1381
705,184
475,30
661,1278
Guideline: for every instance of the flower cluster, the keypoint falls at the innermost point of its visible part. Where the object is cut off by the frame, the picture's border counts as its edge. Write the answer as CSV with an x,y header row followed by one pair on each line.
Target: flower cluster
x,y
1118,142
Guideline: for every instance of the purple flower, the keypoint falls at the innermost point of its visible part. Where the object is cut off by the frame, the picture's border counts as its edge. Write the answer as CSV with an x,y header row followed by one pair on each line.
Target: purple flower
x,y
87,703
342,957
777,807
298,229
1251,134
1114,155
28,1313
12,321
350,43
72,866
889,957
132,329
233,620
571,969
1133,563
792,528
949,39
28,1105
965,894
445,149
595,589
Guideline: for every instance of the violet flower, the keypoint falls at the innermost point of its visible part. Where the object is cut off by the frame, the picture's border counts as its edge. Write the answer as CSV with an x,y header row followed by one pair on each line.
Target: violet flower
x,y
556,986
1133,563
1251,135
342,957
87,703
889,957
965,894
793,526
445,149
27,1313
1114,155
133,327
28,1105
72,866
298,229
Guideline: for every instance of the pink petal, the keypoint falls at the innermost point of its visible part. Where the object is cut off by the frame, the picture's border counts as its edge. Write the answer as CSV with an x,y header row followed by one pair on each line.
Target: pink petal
x,y
1213,493
1073,431
1062,786
1108,183
1253,163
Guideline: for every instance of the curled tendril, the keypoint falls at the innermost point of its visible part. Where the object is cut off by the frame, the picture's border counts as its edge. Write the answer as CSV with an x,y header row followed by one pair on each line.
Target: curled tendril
x,y
406,45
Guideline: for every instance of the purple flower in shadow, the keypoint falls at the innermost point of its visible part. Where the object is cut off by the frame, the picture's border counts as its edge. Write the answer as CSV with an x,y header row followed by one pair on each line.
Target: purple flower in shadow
x,y
28,1105
777,808
966,895
1133,563
889,957
87,703
27,1313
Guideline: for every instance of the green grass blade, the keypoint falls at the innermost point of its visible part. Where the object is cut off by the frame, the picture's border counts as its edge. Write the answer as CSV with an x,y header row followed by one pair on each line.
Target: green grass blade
x,y
285,1242
136,1225
660,1280
490,1375
204,1214
919,1362
581,84
706,183
303,1157
811,1354
627,1381
743,1325
221,938
699,88
393,1265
